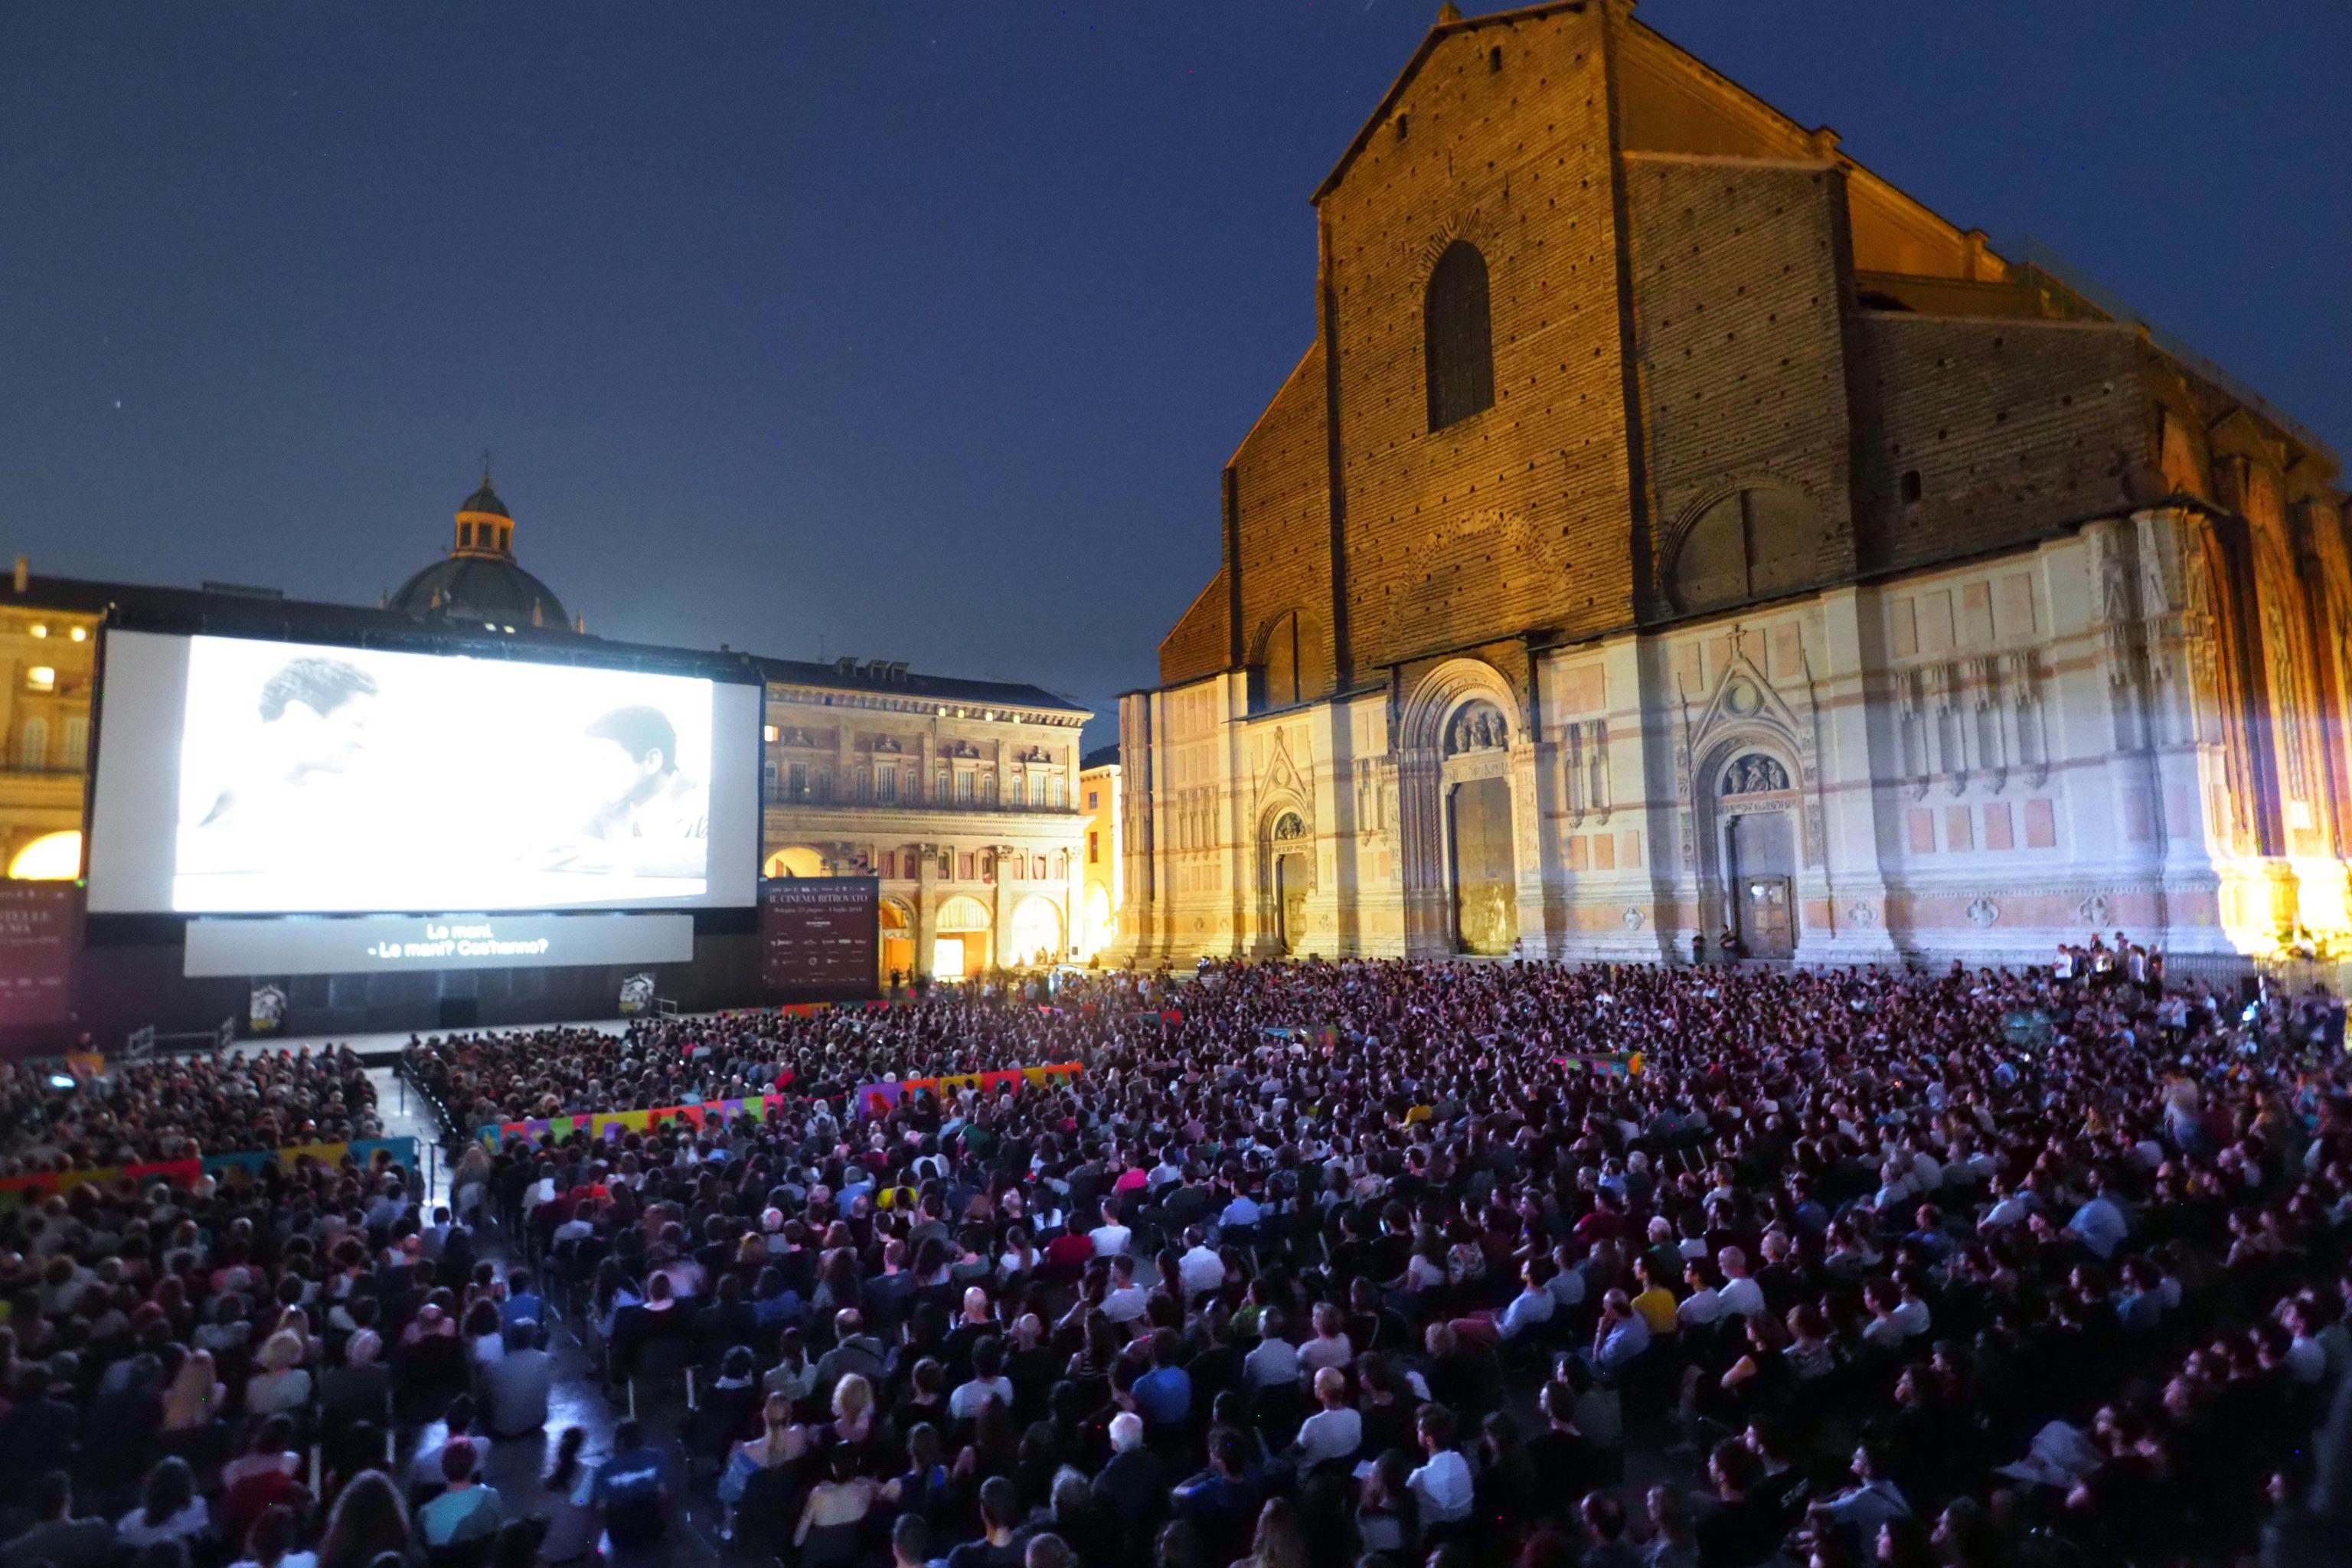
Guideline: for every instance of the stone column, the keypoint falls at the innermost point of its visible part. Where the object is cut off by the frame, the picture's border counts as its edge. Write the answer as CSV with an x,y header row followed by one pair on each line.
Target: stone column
x,y
927,903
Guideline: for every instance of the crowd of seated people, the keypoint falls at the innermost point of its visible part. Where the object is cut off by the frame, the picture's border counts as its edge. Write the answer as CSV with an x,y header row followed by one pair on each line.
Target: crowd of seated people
x,y
1395,1263
177,1107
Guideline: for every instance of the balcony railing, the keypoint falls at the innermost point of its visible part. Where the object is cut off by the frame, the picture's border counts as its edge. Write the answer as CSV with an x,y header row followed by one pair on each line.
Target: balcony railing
x,y
783,794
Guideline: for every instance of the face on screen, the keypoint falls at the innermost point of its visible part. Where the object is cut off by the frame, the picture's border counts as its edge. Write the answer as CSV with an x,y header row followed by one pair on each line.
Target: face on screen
x,y
350,780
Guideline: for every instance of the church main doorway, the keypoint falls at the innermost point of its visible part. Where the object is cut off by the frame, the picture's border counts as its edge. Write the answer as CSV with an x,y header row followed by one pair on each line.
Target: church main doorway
x,y
1486,883
1290,882
1763,855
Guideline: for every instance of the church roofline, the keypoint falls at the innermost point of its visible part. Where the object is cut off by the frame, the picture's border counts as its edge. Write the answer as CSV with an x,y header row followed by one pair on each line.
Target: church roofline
x,y
1429,42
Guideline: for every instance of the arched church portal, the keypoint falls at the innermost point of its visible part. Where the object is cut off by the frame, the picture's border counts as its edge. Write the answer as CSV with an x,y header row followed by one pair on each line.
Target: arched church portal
x,y
1293,877
1479,851
1756,815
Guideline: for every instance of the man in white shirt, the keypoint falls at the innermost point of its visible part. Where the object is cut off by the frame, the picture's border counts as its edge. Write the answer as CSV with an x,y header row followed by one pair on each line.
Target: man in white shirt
x,y
1200,1270
1127,1300
1335,1431
1703,1308
1110,1238
1275,1362
987,1382
1740,1293
1532,1307
1566,1282
1443,1484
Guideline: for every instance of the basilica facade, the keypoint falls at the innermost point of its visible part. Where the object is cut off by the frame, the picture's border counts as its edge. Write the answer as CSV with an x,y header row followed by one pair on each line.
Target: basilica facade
x,y
1676,528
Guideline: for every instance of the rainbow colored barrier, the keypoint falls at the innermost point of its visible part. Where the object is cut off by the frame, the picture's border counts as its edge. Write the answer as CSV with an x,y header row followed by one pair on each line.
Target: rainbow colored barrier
x,y
183,1173
881,1098
610,1124
403,1152
870,1100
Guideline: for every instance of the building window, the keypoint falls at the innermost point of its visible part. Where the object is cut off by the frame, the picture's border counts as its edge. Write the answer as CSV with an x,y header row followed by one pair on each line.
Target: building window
x,y
824,784
464,536
963,867
1055,791
1020,789
865,785
963,788
889,868
798,779
1094,800
41,677
942,794
33,746
1912,490
1040,868
77,742
886,782
1458,337
1094,849
988,789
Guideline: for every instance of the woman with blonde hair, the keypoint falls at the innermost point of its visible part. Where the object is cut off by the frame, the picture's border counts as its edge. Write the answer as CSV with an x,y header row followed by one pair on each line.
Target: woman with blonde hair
x,y
1281,1540
853,1409
781,1442
281,1384
195,1396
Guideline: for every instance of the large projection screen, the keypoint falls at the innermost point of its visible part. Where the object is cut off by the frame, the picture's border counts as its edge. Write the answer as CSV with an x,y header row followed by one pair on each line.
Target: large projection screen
x,y
244,776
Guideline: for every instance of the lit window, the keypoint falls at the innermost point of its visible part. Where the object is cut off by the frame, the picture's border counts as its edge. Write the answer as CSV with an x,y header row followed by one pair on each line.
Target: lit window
x,y
1094,849
80,633
768,733
39,630
41,677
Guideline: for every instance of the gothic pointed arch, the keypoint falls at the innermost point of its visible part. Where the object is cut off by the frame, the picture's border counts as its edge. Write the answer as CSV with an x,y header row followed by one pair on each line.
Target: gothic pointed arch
x,y
1458,337
1290,660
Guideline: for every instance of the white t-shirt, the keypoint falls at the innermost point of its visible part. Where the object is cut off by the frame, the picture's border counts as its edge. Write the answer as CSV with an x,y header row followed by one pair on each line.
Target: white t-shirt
x,y
965,1402
1109,1240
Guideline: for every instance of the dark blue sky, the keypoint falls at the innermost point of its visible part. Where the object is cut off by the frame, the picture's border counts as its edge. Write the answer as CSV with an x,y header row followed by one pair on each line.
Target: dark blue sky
x,y
915,330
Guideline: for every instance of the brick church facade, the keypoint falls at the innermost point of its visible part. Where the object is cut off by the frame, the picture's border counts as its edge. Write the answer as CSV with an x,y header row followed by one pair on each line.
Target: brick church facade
x,y
1675,526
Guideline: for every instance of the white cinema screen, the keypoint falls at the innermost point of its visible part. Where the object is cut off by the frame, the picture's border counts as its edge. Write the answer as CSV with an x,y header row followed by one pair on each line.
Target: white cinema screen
x,y
241,776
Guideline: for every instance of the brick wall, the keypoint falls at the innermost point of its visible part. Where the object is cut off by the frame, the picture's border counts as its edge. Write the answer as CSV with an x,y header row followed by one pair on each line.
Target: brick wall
x,y
1197,643
1280,493
1736,294
2013,427
1518,517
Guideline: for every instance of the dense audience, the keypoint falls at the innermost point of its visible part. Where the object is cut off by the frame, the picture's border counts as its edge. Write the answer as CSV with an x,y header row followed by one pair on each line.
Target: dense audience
x,y
179,1107
1964,1266
1314,1265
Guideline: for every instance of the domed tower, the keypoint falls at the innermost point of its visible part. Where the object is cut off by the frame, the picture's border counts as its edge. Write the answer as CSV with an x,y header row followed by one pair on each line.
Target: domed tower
x,y
479,579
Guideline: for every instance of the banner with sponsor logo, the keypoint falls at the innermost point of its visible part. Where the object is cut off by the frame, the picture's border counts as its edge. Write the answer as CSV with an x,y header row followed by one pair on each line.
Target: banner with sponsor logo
x,y
40,931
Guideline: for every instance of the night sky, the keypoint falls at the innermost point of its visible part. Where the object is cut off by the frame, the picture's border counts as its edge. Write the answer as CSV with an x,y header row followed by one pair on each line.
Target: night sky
x,y
915,332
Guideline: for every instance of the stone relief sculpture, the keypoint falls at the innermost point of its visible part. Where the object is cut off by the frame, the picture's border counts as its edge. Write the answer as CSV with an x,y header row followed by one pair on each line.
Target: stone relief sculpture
x,y
1754,773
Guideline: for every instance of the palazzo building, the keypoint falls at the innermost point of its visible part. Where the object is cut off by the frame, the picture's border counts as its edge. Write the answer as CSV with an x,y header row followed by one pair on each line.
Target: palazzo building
x,y
1673,525
959,794
1105,886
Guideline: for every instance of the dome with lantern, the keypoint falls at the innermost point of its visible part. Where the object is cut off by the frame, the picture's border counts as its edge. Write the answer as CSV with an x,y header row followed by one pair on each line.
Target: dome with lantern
x,y
479,579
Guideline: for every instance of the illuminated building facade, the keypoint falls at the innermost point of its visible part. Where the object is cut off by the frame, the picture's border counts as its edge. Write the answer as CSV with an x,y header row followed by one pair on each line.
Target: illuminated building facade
x,y
47,669
1673,527
1105,888
959,794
